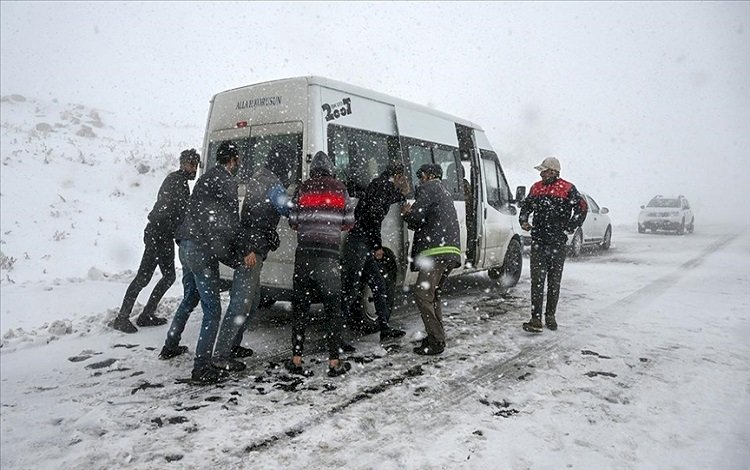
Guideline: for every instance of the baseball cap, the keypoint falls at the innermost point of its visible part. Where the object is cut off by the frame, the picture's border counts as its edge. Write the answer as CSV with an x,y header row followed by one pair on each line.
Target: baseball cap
x,y
549,163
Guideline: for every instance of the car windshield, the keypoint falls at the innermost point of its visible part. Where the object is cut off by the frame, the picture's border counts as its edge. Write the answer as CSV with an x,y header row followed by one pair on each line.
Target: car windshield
x,y
664,202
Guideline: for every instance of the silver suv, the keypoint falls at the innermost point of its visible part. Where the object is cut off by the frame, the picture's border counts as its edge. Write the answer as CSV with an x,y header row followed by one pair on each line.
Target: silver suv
x,y
667,213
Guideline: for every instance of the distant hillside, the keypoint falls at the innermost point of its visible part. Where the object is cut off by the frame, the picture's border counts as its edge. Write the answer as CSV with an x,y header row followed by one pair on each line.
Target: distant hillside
x,y
76,184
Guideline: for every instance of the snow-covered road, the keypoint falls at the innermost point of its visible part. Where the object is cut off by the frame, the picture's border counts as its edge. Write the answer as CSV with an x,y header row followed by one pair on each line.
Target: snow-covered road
x,y
648,370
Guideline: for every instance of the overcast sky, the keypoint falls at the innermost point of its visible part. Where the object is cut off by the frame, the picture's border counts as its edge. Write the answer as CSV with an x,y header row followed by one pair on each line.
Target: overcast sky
x,y
634,98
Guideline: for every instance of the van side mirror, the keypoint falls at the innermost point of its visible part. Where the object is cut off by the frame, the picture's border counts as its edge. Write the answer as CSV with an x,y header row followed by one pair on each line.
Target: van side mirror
x,y
520,193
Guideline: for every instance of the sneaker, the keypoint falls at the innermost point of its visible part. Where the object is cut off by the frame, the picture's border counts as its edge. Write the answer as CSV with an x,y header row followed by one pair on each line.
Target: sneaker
x,y
150,320
167,353
208,375
341,369
294,369
238,352
347,347
123,324
550,322
229,365
388,332
533,326
430,349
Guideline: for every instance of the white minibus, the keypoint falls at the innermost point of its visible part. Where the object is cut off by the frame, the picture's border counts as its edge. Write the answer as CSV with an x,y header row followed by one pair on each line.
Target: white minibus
x,y
362,130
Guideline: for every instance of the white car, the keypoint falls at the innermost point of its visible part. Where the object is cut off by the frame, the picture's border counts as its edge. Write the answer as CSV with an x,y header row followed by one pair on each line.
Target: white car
x,y
667,213
596,230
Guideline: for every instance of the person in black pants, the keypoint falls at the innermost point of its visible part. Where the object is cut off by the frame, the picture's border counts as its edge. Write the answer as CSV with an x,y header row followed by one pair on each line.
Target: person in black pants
x,y
321,210
557,207
158,237
364,248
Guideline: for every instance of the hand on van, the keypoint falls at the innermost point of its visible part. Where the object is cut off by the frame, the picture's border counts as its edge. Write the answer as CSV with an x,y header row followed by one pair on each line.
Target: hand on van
x,y
526,226
250,260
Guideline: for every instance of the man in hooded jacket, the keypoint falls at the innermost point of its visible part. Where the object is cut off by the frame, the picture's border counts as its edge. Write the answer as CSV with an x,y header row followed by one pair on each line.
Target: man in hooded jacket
x,y
266,201
321,210
436,251
158,238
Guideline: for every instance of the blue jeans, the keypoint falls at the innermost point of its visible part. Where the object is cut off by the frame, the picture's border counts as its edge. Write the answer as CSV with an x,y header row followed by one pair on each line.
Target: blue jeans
x,y
200,280
244,299
359,264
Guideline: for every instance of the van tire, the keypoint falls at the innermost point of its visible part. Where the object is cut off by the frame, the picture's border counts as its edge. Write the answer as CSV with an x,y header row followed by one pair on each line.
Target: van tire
x,y
510,272
364,318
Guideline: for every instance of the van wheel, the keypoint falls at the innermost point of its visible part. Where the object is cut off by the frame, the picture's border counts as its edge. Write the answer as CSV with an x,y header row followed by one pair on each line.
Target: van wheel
x,y
607,241
364,317
577,244
510,272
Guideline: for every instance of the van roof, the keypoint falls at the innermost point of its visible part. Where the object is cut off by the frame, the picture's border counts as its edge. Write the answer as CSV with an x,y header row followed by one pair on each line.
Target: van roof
x,y
364,92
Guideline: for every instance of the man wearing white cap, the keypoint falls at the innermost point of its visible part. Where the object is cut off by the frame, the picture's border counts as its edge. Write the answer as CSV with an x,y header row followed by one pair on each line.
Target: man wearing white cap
x,y
558,207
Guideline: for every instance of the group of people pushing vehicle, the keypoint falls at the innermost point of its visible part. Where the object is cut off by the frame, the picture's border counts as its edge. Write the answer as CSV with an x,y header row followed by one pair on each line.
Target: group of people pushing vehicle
x,y
210,228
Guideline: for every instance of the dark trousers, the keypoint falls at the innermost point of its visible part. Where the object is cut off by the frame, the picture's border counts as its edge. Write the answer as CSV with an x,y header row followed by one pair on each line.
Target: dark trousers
x,y
360,265
546,263
316,277
159,251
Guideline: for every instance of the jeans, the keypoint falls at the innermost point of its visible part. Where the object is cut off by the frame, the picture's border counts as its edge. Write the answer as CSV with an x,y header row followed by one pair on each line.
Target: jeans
x,y
546,262
159,251
359,264
201,283
244,299
321,276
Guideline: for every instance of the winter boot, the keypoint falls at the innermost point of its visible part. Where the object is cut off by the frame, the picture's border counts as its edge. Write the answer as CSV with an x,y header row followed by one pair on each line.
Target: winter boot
x,y
238,352
342,368
167,353
347,347
123,324
533,326
208,375
229,365
150,320
387,332
550,322
430,349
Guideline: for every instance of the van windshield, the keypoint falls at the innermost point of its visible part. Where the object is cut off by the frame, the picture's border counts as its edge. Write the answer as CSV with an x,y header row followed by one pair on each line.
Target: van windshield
x,y
281,141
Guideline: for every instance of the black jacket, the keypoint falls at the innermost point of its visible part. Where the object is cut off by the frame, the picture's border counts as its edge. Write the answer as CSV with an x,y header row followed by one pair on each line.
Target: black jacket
x,y
169,209
372,209
557,207
265,203
212,218
435,223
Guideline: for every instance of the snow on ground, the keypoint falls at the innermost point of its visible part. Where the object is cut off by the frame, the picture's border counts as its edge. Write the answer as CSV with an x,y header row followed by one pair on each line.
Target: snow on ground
x,y
648,370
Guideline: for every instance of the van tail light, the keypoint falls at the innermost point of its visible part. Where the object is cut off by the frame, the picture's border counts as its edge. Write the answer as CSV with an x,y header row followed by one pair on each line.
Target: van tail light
x,y
326,200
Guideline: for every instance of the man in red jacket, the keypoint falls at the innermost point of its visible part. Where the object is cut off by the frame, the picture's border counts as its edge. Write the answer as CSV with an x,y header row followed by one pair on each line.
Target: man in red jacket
x,y
558,208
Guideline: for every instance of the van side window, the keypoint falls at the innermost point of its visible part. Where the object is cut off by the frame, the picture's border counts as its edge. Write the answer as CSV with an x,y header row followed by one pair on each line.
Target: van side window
x,y
447,158
498,193
358,156
418,154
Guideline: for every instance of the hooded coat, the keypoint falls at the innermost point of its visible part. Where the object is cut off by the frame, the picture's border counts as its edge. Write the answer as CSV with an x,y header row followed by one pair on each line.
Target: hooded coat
x,y
212,218
321,210
435,223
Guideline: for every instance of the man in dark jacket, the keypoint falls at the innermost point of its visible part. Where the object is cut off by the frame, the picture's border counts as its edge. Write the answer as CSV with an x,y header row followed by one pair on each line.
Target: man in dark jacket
x,y
364,247
265,202
557,207
158,237
436,251
206,237
321,210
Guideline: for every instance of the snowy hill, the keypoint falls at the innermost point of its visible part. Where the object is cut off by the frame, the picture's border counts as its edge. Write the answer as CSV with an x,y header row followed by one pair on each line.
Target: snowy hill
x,y
77,184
